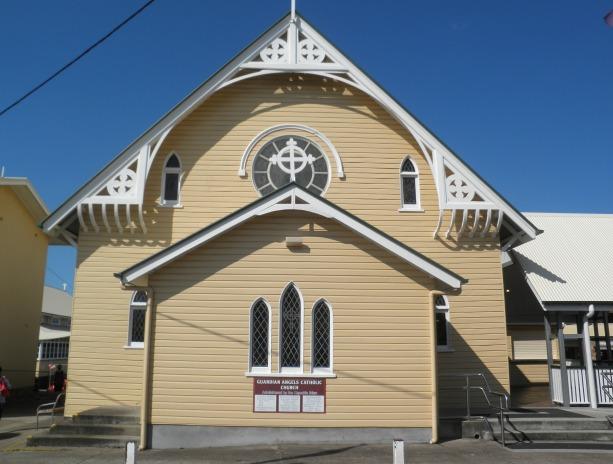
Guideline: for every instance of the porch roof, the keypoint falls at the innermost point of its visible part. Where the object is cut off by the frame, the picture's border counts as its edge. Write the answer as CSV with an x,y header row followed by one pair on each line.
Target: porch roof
x,y
291,198
572,262
47,333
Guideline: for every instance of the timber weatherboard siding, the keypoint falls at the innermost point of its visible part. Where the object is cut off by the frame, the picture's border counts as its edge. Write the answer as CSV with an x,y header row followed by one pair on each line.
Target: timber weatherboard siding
x,y
381,337
210,143
23,254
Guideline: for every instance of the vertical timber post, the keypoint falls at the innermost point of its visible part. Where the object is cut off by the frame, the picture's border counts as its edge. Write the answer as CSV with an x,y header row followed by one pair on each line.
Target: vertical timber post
x,y
587,358
549,352
563,371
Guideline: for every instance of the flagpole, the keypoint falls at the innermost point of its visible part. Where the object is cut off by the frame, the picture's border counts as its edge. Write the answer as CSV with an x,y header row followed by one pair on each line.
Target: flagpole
x,y
293,9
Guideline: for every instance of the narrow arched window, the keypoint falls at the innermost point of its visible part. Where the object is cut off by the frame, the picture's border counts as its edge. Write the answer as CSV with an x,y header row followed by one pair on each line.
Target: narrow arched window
x,y
441,308
409,185
259,343
290,349
136,329
171,181
321,341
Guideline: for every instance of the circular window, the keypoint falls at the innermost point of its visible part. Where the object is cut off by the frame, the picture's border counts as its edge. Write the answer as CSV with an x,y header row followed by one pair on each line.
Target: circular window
x,y
289,159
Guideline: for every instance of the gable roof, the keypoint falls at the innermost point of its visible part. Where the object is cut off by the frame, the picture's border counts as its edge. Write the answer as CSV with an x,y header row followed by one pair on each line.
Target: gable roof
x,y
291,198
439,156
27,195
572,261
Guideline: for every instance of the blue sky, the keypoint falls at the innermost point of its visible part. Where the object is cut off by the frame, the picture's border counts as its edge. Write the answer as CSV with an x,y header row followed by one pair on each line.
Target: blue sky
x,y
522,90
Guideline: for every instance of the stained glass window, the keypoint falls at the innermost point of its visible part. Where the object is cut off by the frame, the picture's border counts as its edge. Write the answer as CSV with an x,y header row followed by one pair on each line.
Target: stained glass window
x,y
441,305
138,310
409,182
260,326
171,180
291,327
321,336
289,159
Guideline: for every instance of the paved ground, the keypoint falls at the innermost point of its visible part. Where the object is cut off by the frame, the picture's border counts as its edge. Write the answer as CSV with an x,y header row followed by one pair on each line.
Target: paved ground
x,y
453,452
19,423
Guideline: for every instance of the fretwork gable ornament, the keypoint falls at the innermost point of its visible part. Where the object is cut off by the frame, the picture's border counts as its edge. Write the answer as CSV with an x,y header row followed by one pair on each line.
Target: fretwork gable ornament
x,y
291,45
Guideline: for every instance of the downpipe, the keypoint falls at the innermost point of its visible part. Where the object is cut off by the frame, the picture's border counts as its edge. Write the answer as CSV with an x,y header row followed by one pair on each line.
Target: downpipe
x,y
434,365
146,390
587,356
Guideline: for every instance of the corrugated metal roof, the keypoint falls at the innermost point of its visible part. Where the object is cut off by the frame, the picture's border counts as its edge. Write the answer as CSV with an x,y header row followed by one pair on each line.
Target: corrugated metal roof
x,y
57,302
572,261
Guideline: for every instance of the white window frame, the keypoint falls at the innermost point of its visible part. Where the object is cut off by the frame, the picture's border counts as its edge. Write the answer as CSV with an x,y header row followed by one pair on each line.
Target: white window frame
x,y
443,309
405,206
135,305
330,369
268,368
291,370
166,170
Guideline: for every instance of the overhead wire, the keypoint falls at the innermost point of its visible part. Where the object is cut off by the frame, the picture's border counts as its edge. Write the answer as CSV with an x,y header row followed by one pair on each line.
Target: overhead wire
x,y
77,58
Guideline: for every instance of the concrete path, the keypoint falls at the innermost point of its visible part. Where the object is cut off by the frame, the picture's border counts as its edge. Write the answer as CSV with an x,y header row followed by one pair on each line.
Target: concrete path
x,y
453,452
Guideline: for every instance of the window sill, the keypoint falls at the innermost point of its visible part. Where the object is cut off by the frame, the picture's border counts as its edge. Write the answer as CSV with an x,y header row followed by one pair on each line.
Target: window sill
x,y
329,375
133,347
445,349
411,210
163,205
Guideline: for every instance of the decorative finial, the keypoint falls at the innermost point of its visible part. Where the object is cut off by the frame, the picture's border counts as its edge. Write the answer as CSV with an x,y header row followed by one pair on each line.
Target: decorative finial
x,y
293,10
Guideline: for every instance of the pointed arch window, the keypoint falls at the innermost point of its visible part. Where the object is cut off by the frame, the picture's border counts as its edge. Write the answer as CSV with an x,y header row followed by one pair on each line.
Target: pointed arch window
x,y
441,308
171,181
259,340
136,329
321,341
409,185
290,339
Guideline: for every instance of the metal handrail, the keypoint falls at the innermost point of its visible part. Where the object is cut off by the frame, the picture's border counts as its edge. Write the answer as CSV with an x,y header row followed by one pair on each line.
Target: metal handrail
x,y
501,408
50,408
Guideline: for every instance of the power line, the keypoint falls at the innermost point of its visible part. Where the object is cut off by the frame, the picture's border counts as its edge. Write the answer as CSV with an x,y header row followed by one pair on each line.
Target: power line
x,y
64,281
77,58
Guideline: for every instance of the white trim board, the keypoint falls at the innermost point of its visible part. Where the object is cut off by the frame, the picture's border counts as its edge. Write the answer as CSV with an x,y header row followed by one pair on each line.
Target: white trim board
x,y
227,75
285,200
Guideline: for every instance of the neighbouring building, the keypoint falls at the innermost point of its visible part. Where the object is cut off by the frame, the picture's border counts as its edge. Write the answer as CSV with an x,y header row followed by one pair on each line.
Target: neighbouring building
x,y
287,253
23,255
559,296
54,334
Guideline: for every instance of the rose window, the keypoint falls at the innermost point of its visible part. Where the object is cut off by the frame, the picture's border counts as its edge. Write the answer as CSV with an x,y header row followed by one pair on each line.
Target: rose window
x,y
289,159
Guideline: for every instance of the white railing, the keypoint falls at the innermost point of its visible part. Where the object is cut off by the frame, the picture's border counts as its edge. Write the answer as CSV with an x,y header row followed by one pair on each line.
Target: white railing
x,y
578,390
577,386
556,385
603,384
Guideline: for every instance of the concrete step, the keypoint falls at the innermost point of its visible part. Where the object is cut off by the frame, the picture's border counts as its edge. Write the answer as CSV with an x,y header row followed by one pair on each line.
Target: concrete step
x,y
87,418
559,446
556,424
558,435
64,441
68,428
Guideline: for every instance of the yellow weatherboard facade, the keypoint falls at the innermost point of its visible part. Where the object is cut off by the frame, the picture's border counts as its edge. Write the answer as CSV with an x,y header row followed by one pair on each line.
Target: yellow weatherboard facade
x,y
23,255
276,174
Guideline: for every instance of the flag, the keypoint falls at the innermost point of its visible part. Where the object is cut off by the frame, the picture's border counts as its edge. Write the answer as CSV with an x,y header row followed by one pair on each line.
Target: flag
x,y
609,19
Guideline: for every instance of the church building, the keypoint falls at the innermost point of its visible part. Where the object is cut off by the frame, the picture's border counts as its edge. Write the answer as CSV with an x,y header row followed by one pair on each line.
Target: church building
x,y
288,255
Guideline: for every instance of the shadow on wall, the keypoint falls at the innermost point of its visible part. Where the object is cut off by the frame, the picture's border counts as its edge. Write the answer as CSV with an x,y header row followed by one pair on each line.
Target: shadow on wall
x,y
341,373
452,367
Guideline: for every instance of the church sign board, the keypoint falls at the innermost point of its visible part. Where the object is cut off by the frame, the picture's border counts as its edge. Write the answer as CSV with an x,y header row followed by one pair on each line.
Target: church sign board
x,y
289,394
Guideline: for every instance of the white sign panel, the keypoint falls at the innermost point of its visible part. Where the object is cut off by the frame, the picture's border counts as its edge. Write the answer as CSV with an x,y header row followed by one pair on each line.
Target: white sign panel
x,y
265,403
314,403
289,403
